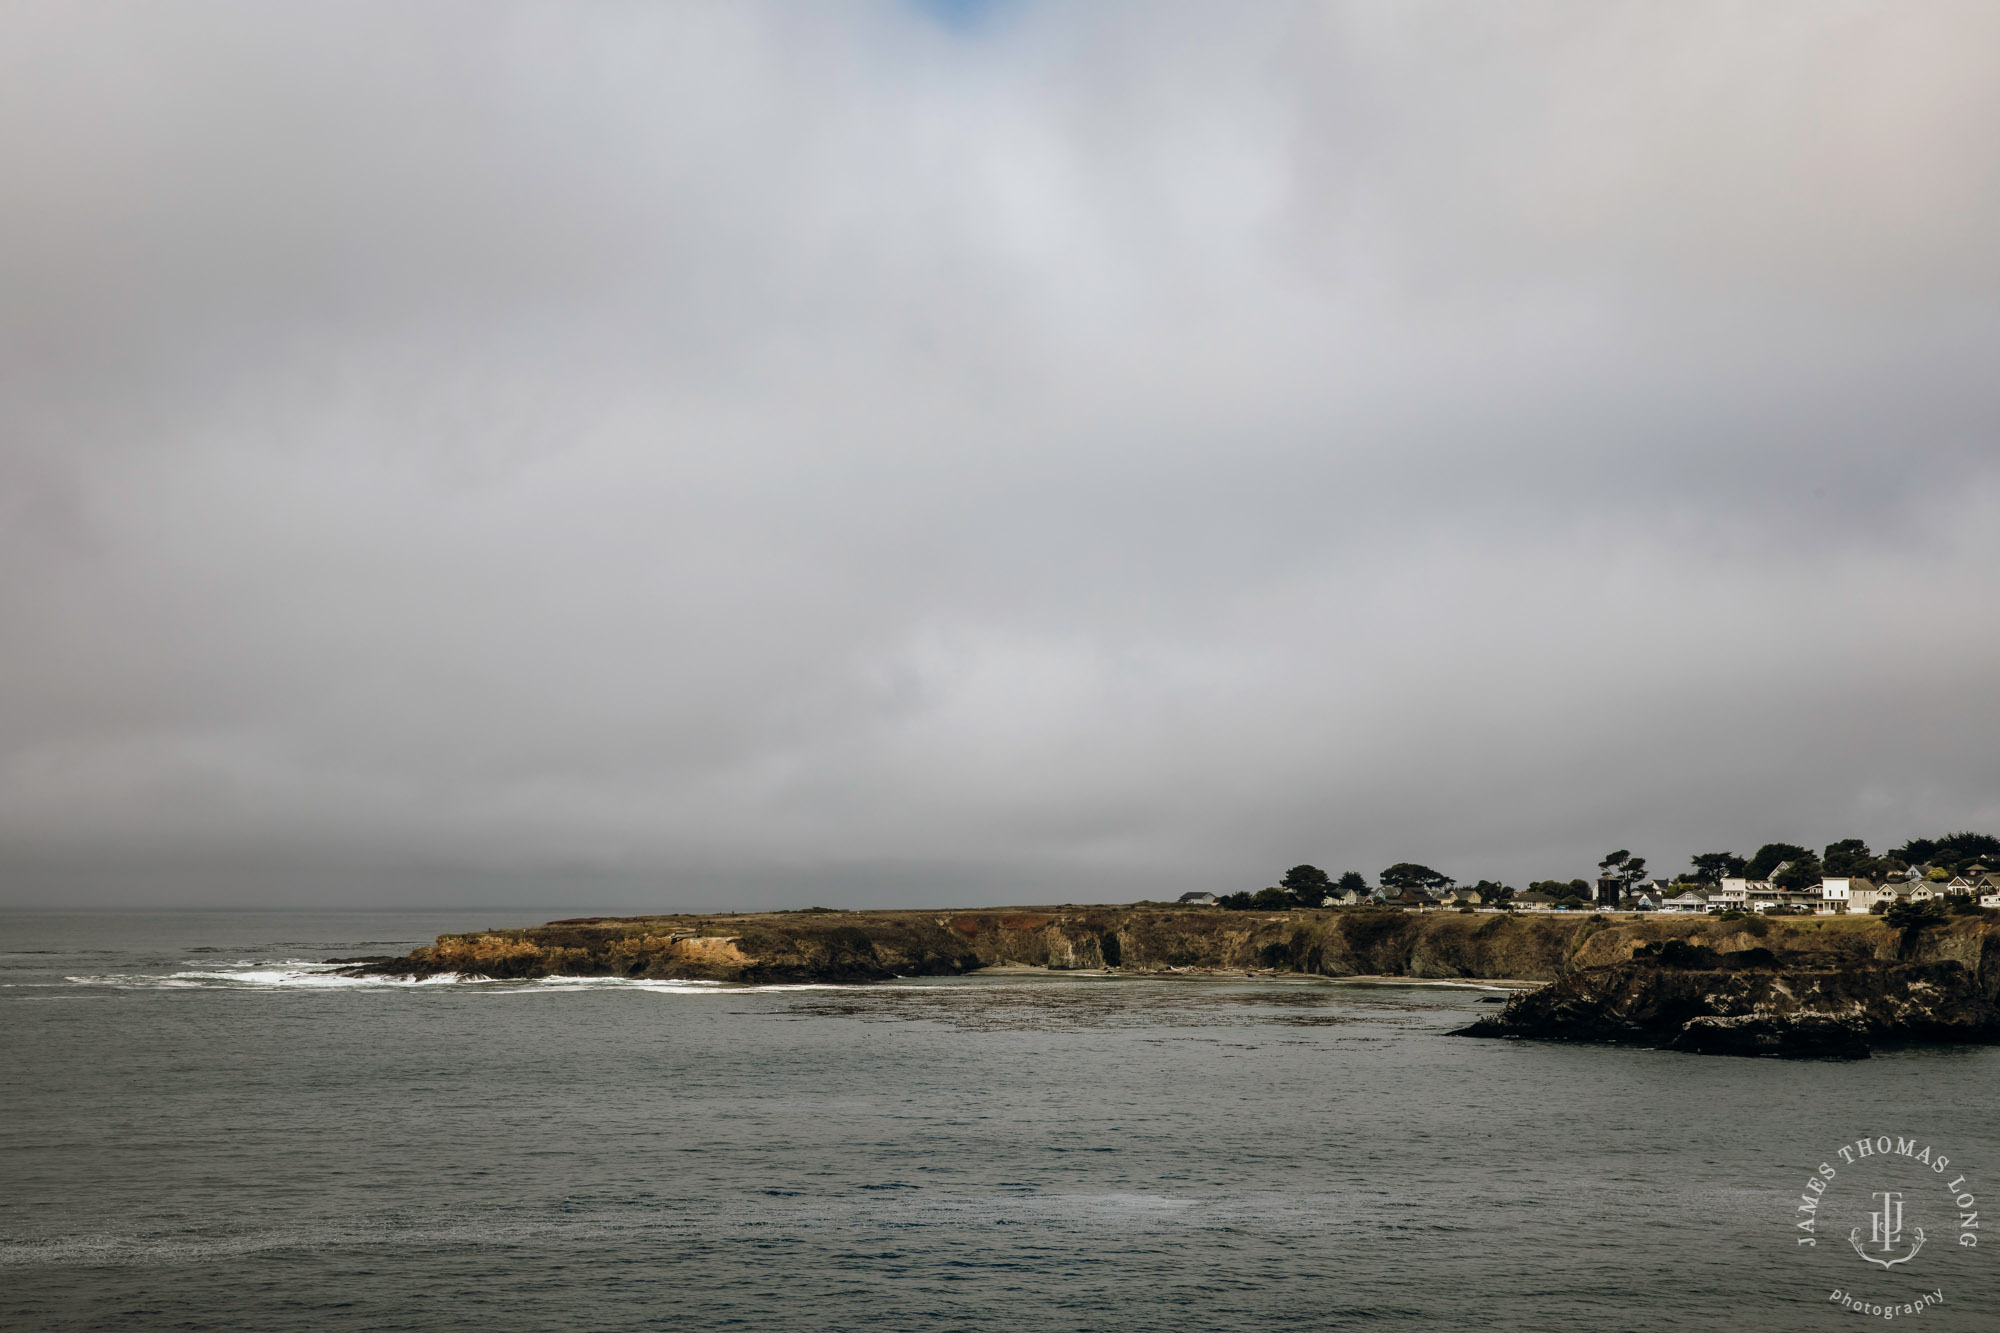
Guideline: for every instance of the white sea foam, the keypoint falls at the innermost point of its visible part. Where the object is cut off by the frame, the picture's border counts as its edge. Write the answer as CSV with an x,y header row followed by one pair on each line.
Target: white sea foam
x,y
263,976
548,985
312,976
297,974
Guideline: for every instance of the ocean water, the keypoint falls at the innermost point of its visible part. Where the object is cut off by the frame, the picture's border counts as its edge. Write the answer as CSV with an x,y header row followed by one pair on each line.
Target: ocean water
x,y
201,1128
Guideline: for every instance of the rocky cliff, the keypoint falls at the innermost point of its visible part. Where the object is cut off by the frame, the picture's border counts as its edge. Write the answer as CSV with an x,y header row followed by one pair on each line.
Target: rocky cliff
x,y
874,946
1798,987
1780,986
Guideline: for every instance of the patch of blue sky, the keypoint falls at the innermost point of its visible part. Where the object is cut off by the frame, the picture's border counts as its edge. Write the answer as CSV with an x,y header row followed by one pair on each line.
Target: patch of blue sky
x,y
964,16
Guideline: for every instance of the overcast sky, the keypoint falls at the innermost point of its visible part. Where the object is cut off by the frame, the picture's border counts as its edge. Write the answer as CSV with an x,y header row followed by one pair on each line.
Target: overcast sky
x,y
615,455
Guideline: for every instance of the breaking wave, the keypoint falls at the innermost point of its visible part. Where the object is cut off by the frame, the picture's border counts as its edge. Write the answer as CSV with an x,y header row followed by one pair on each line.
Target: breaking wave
x,y
295,974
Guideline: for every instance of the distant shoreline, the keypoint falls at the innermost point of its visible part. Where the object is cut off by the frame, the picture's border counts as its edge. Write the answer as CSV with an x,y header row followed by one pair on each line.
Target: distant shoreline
x,y
1255,974
1367,946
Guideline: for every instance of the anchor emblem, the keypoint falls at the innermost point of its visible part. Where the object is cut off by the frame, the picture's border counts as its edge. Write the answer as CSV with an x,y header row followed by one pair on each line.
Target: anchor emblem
x,y
1886,1228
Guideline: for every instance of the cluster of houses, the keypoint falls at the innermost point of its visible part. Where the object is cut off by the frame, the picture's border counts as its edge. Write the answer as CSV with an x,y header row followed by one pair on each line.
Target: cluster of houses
x,y
1837,893
1834,893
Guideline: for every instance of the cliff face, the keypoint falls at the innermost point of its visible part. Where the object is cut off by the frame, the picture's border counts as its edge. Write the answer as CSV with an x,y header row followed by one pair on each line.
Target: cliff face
x,y
874,946
746,949
1820,988
1781,986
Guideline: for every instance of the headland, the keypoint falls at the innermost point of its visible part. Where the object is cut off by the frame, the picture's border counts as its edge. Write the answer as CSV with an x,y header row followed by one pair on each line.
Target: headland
x,y
1141,938
1796,986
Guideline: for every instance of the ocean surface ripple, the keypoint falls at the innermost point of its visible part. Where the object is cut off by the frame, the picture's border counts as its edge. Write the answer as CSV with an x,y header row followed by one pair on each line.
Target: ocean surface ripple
x,y
205,1126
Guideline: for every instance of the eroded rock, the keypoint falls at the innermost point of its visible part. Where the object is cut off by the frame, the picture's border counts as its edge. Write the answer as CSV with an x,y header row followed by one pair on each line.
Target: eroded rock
x,y
1832,993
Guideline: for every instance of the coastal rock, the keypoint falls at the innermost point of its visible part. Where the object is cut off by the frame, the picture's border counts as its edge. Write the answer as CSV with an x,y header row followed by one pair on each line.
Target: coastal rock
x,y
1803,986
1832,991
876,946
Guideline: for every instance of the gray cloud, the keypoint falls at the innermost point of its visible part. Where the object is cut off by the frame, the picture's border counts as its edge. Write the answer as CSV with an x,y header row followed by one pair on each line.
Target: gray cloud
x,y
620,454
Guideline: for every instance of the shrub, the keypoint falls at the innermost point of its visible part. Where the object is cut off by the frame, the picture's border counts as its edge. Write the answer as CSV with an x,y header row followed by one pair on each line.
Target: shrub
x,y
1914,916
1677,953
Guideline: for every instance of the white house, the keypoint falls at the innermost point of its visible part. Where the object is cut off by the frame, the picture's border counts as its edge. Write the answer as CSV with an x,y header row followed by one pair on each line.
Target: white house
x,y
1735,893
1747,895
1837,892
1688,900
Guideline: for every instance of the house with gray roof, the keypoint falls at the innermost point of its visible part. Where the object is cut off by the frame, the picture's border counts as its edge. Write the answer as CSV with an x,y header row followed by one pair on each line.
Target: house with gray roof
x,y
1862,899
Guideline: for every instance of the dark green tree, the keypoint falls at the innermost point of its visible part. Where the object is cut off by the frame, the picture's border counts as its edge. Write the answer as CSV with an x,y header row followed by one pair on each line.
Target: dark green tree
x,y
1351,882
1770,856
1912,917
1492,894
1273,899
1799,875
1308,885
1956,852
1917,851
1410,875
1849,856
1713,867
1624,867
